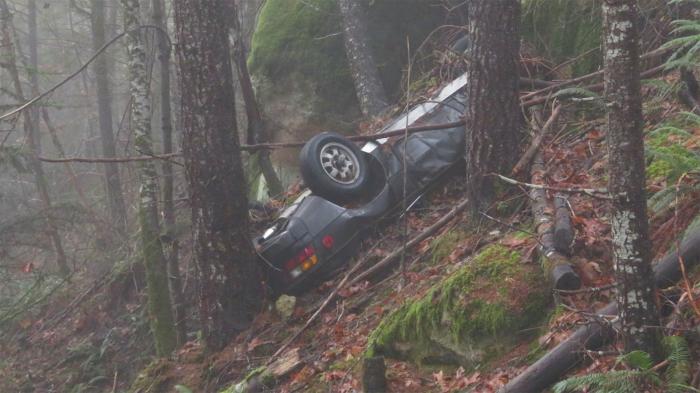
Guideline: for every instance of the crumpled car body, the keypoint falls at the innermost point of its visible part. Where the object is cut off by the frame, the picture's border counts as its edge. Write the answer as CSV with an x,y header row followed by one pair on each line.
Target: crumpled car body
x,y
314,236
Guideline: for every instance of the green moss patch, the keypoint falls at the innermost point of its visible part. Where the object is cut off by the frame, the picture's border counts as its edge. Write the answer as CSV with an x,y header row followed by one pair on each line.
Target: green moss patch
x,y
668,157
301,41
468,318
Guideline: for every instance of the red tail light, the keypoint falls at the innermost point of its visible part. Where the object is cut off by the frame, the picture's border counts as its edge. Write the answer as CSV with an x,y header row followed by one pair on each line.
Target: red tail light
x,y
327,241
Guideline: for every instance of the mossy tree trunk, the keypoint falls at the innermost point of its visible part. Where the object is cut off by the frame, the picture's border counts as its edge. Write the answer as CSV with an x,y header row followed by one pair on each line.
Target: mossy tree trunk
x,y
493,111
174,278
230,289
368,86
257,130
32,136
159,306
631,244
113,186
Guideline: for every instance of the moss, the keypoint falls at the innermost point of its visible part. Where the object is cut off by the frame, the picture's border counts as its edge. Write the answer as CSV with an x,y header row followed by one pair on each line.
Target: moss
x,y
468,309
299,40
441,247
153,378
265,377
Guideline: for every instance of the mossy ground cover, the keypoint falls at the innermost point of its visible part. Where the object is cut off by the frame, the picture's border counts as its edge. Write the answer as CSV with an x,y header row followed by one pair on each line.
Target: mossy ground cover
x,y
484,303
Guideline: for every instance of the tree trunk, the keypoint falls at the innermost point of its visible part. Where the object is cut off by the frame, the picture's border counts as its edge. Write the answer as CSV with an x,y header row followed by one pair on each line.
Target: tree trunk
x,y
113,187
493,112
160,308
42,186
368,86
561,359
179,306
630,232
257,131
230,289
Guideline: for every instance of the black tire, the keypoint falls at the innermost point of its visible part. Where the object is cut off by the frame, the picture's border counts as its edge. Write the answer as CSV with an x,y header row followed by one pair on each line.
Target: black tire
x,y
334,167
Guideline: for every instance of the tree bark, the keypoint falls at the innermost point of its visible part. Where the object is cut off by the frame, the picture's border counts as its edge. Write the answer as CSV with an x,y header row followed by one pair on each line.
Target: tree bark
x,y
551,367
10,63
230,289
368,86
113,187
179,306
160,308
257,130
493,112
630,232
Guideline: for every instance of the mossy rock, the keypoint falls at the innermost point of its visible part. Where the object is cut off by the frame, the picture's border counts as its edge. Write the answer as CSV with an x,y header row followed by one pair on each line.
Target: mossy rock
x,y
470,317
298,58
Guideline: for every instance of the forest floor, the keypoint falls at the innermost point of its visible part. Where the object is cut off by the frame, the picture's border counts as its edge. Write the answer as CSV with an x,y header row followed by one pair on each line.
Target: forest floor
x,y
102,345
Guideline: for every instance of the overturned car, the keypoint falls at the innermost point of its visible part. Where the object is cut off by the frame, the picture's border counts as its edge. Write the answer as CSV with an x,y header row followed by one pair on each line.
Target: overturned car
x,y
316,234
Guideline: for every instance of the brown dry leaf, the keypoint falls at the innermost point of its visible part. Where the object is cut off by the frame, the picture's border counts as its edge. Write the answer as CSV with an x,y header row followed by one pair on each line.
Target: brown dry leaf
x,y
514,241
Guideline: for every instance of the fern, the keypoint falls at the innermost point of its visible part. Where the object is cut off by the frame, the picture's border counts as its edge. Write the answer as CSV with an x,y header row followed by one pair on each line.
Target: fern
x,y
632,381
678,371
687,44
625,381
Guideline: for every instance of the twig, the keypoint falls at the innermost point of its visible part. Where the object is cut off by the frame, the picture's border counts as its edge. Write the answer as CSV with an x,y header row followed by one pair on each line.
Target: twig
x,y
260,146
417,239
534,235
78,71
404,229
536,142
585,290
384,262
320,309
601,193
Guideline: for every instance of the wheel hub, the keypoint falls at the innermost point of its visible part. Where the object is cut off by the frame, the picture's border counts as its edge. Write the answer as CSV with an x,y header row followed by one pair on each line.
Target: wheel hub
x,y
339,163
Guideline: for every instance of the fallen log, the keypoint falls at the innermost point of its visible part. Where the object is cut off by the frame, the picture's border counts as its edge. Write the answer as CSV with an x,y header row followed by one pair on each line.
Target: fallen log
x,y
563,229
567,355
556,266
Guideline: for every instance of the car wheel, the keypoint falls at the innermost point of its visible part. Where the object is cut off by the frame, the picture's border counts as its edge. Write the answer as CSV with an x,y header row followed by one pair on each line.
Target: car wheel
x,y
334,167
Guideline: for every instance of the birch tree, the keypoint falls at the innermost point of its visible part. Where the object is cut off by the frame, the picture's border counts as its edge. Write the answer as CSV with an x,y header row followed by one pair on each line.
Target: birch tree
x,y
368,86
159,306
493,110
230,289
630,232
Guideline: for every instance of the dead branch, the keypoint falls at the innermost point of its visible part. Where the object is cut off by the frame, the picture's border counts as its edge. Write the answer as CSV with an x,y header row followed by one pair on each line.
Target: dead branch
x,y
536,142
601,193
566,355
260,146
381,264
76,72
584,78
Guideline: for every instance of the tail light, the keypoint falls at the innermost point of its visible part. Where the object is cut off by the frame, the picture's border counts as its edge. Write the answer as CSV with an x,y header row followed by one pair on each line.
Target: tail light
x,y
303,261
327,241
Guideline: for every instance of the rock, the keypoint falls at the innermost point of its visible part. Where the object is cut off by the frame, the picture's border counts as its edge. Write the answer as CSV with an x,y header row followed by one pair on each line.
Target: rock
x,y
470,317
285,306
